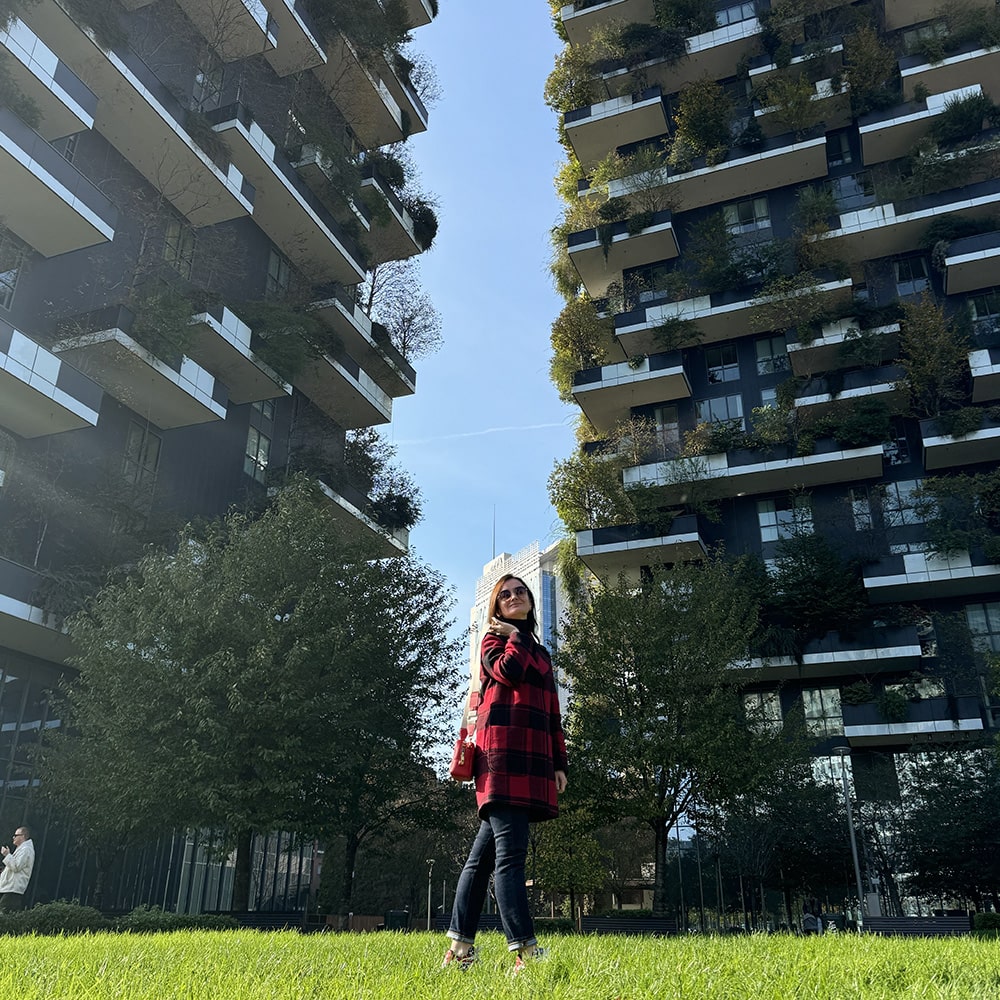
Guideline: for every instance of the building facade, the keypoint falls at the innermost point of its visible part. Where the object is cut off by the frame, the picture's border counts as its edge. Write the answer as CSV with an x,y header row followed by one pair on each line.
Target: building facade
x,y
194,194
785,226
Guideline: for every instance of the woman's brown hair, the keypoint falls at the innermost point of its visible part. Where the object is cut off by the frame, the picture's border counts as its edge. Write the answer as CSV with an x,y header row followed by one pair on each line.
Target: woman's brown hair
x,y
495,602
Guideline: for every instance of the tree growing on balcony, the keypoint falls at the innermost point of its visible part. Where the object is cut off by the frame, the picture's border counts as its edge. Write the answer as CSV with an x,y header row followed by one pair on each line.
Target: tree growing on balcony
x,y
701,124
580,339
935,359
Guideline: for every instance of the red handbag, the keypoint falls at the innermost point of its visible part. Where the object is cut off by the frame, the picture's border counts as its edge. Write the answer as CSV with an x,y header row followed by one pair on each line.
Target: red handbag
x,y
463,758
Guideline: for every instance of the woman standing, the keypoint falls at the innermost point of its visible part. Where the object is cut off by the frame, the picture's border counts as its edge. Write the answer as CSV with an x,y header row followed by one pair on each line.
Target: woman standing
x,y
520,768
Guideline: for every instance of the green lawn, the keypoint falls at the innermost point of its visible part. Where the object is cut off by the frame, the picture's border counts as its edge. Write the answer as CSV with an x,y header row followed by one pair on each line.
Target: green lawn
x,y
249,965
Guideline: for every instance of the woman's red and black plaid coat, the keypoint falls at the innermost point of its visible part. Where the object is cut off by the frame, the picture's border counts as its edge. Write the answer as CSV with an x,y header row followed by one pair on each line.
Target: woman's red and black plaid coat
x,y
518,727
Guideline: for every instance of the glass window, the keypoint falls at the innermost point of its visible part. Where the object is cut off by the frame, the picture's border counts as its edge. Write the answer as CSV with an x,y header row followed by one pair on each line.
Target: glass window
x,y
178,247
279,276
899,506
724,408
861,509
822,711
838,149
913,37
668,430
984,624
747,216
911,276
786,517
763,710
985,311
69,146
11,263
772,355
265,407
142,454
257,454
208,83
734,13
853,191
548,618
722,363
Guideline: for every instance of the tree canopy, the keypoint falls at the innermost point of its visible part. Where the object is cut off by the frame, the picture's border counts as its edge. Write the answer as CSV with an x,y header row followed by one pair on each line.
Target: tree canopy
x,y
266,673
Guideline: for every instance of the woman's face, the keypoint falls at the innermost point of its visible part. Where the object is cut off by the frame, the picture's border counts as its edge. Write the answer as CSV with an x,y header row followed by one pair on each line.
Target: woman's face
x,y
513,600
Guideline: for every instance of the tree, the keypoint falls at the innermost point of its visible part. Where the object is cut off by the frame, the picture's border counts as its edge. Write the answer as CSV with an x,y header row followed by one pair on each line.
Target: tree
x,y
934,358
656,712
392,296
265,675
566,856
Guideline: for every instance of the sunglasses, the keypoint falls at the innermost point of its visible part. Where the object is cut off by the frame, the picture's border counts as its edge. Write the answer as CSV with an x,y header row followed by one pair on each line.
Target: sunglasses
x,y
506,595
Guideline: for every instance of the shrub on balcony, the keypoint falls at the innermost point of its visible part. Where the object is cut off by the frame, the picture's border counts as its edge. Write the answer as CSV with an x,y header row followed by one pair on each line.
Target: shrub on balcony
x,y
934,358
892,705
870,70
673,334
286,337
961,513
858,693
691,17
964,118
961,422
163,323
792,100
701,124
425,222
579,339
859,425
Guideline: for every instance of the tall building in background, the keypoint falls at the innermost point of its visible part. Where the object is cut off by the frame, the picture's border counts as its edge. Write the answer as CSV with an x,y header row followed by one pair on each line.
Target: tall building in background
x,y
196,197
781,259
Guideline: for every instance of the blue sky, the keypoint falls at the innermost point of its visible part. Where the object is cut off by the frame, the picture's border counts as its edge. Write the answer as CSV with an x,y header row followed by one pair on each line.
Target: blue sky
x,y
486,425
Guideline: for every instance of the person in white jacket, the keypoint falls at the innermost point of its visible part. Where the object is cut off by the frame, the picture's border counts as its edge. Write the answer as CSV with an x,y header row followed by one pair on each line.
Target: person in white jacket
x,y
17,867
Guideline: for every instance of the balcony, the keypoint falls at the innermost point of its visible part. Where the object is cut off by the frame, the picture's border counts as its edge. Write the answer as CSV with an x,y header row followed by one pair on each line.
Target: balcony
x,y
942,451
820,395
167,395
740,472
893,228
929,720
832,106
65,103
826,353
888,135
917,576
780,161
985,366
419,13
607,395
344,392
581,18
38,393
599,262
24,625
236,29
594,129
143,120
367,342
221,344
47,202
285,208
967,67
298,48
350,516
902,13
972,263
718,316
867,652
608,552
394,239
713,53
763,66
379,107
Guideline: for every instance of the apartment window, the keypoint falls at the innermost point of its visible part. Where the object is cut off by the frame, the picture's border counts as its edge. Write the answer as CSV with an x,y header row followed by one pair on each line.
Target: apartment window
x,y
838,149
257,454
772,355
822,711
913,38
899,505
787,517
279,276
721,410
769,397
907,548
861,509
911,276
734,13
763,710
985,310
11,264
853,191
722,363
897,449
668,430
208,83
69,146
547,599
265,408
178,247
984,624
142,455
647,283
747,216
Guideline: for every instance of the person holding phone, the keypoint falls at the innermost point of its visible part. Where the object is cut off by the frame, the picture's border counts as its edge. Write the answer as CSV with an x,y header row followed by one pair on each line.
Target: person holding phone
x,y
520,770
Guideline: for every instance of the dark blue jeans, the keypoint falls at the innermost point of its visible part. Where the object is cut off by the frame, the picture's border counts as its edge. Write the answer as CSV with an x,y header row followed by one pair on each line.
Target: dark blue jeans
x,y
500,847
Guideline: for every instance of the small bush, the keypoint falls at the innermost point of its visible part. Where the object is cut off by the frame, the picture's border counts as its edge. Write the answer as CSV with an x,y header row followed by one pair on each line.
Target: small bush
x,y
60,917
858,693
556,925
151,920
986,925
958,423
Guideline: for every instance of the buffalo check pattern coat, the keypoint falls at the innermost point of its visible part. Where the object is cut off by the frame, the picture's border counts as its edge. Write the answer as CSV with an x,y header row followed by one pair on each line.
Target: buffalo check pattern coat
x,y
518,727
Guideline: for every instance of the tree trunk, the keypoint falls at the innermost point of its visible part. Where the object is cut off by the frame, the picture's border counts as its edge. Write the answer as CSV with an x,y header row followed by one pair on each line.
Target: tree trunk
x,y
241,876
347,882
660,900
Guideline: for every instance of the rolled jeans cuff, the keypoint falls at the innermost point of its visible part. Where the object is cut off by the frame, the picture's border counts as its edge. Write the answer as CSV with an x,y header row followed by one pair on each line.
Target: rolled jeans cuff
x,y
521,945
455,936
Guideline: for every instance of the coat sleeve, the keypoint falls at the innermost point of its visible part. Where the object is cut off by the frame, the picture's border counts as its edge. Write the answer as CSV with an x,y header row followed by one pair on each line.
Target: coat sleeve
x,y
560,758
504,660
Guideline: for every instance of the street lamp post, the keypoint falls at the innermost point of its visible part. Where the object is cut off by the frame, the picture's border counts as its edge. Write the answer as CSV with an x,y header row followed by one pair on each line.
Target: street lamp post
x,y
843,752
430,872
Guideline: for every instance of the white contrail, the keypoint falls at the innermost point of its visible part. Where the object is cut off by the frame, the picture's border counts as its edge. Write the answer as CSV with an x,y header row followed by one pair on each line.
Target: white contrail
x,y
469,434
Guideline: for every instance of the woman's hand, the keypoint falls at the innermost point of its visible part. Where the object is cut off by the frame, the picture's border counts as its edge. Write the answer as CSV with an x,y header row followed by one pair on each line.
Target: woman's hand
x,y
498,627
560,782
